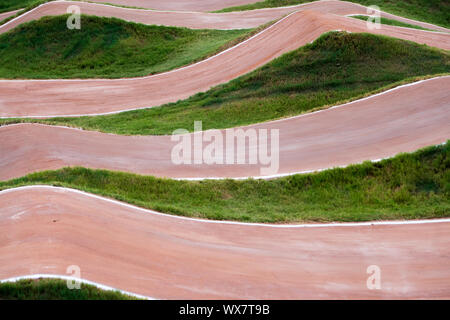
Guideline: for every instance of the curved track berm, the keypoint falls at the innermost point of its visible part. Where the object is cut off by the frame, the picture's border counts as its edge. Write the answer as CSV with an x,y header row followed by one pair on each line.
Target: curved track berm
x,y
49,98
44,230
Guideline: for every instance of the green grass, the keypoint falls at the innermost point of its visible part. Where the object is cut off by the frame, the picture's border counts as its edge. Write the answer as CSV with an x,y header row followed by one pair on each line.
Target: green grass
x,y
104,47
337,67
432,11
54,289
27,5
409,186
392,23
10,5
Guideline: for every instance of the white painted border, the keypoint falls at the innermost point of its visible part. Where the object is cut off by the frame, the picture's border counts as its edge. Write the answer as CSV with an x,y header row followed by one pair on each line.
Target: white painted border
x,y
59,277
281,226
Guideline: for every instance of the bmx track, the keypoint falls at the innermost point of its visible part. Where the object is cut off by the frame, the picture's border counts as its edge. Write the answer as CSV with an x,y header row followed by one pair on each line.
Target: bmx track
x,y
170,257
43,230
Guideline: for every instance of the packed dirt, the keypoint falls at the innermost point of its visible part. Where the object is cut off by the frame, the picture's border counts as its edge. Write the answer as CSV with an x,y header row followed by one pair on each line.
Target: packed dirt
x,y
44,231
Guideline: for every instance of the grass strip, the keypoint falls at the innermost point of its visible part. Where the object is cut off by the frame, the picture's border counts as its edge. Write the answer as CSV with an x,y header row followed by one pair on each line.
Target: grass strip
x,y
32,4
408,186
55,289
11,5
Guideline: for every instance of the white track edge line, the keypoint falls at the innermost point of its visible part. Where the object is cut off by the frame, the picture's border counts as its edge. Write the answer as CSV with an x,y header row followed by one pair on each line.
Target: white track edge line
x,y
283,226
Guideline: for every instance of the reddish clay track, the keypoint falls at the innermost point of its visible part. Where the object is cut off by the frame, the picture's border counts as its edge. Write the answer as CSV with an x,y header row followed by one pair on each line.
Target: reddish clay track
x,y
402,120
5,15
199,20
45,230
34,98
180,5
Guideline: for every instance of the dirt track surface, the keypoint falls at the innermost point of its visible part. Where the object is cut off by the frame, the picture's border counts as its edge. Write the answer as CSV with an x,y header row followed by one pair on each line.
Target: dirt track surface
x,y
180,5
45,230
199,20
46,98
402,120
5,15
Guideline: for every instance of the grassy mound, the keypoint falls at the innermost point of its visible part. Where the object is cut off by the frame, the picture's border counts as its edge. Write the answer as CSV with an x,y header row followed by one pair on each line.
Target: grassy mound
x,y
409,186
103,47
337,67
53,289
432,11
